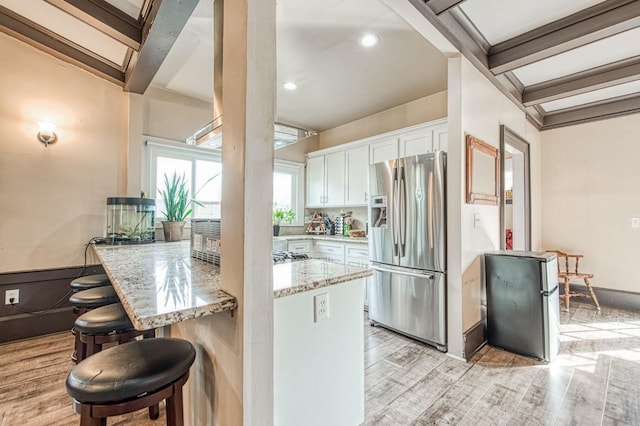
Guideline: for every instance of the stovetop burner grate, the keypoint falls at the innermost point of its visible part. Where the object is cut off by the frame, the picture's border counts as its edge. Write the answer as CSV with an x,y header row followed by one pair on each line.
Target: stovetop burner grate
x,y
281,256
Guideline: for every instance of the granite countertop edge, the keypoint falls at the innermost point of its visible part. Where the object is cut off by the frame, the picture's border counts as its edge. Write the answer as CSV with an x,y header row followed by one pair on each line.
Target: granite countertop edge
x,y
325,282
337,238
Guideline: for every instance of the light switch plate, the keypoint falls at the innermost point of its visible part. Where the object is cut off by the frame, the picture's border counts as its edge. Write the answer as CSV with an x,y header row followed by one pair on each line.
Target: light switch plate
x,y
635,222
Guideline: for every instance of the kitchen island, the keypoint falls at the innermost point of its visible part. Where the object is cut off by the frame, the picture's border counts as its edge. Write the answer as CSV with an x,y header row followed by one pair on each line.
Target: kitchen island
x,y
318,359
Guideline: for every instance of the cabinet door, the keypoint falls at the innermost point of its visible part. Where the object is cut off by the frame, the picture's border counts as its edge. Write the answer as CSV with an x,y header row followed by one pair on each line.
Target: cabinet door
x,y
300,246
332,252
315,181
357,183
382,151
416,143
440,138
334,172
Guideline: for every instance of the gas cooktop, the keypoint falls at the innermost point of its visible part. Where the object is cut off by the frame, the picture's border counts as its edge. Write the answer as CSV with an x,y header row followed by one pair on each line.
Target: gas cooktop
x,y
281,256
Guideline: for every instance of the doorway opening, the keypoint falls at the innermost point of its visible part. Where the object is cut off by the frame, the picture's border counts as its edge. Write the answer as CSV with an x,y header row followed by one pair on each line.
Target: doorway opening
x,y
515,209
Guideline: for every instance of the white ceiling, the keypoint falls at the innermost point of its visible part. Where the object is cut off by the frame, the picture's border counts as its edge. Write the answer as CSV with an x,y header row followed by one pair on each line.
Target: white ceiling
x,y
317,47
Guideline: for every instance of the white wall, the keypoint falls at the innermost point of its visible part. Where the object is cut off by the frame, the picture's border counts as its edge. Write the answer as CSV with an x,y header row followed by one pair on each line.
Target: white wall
x,y
53,200
477,108
170,115
591,190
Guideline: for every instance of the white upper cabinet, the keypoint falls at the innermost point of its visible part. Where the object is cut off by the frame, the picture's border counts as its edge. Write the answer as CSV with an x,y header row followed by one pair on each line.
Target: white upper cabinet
x,y
315,181
416,143
339,176
383,150
325,180
334,170
357,181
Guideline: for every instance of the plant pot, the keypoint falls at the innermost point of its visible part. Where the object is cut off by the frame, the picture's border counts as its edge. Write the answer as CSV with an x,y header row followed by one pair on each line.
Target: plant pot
x,y
172,230
276,230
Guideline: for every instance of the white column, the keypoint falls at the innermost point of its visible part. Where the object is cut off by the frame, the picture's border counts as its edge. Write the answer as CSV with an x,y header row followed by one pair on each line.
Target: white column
x,y
247,180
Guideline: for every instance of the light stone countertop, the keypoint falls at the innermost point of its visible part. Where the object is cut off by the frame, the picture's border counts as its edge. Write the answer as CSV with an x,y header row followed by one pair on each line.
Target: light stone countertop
x,y
339,238
304,275
161,284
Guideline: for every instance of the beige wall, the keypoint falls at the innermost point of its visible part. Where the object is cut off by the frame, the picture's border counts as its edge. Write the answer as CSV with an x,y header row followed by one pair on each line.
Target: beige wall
x,y
477,108
53,200
419,111
169,115
591,190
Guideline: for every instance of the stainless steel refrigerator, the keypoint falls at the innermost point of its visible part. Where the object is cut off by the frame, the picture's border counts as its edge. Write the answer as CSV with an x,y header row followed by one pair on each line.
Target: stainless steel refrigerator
x,y
407,247
522,302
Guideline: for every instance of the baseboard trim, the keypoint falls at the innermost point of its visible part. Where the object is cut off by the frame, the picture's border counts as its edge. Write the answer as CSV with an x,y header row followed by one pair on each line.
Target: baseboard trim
x,y
617,299
39,290
474,339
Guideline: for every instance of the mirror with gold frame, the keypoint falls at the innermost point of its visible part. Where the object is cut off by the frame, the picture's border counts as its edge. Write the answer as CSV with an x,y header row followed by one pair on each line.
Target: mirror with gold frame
x,y
483,172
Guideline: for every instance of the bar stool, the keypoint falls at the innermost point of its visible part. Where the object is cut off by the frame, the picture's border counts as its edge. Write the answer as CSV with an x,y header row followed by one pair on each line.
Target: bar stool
x,y
85,300
102,325
93,298
89,281
132,376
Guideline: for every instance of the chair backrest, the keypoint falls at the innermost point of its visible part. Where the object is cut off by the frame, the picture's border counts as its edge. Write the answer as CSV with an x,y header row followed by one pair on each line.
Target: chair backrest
x,y
565,260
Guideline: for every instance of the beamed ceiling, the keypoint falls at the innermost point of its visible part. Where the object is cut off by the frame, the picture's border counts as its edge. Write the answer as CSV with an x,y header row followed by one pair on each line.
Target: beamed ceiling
x,y
564,62
123,41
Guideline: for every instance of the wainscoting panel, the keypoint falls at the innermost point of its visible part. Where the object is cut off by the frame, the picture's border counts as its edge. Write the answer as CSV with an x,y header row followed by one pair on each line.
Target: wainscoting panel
x,y
43,307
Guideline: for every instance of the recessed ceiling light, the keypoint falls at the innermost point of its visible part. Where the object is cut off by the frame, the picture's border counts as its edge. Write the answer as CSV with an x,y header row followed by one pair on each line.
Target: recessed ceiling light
x,y
369,40
290,85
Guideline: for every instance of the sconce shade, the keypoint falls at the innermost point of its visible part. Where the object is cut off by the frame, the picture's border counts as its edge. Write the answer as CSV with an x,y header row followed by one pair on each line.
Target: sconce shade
x,y
46,135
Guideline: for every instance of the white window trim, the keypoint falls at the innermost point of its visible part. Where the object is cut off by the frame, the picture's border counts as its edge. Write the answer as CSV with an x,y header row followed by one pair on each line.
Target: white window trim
x,y
156,147
297,171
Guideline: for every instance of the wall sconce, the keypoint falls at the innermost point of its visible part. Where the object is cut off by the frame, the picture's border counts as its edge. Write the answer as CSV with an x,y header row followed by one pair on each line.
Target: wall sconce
x,y
46,134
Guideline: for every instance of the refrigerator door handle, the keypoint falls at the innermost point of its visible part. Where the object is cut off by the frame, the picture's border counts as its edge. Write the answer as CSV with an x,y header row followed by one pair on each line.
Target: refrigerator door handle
x,y
394,218
403,212
411,274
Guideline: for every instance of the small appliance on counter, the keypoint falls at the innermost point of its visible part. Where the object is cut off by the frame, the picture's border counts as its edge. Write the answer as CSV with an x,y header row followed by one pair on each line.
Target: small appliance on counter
x,y
205,240
130,220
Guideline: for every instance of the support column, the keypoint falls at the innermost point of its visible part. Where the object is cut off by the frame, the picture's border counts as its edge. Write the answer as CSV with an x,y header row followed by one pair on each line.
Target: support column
x,y
248,102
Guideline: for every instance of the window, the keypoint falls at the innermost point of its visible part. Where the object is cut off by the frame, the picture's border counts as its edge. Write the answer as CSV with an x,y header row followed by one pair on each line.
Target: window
x,y
288,184
203,171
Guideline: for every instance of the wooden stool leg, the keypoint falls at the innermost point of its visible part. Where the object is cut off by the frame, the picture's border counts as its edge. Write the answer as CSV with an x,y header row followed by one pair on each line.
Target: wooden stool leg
x,y
78,346
591,293
566,294
174,408
154,411
87,420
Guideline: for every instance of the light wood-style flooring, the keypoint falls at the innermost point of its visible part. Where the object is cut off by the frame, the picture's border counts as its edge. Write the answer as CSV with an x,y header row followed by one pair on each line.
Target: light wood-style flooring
x,y
595,380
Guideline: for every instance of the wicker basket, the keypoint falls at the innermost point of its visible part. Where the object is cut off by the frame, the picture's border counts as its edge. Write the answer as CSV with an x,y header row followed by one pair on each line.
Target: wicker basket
x,y
356,233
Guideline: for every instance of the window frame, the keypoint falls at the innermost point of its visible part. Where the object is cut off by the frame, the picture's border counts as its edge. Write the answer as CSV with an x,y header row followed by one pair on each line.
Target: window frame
x,y
296,170
157,147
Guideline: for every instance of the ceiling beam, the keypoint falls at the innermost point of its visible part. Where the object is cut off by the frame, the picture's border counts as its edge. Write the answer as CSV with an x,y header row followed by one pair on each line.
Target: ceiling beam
x,y
104,17
584,27
441,6
162,26
585,81
39,37
599,111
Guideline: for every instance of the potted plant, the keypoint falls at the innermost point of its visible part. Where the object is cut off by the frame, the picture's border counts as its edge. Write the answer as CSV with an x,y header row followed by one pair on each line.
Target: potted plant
x,y
177,206
280,214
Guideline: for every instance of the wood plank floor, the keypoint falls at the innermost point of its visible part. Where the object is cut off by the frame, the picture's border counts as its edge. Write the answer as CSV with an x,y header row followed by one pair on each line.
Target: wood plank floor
x,y
594,381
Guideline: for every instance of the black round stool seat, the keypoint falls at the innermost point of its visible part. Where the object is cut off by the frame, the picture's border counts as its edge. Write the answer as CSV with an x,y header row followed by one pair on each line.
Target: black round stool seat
x,y
124,372
94,298
89,281
104,320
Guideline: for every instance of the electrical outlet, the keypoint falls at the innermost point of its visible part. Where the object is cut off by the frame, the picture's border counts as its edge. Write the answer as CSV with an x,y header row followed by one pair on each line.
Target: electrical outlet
x,y
321,307
12,294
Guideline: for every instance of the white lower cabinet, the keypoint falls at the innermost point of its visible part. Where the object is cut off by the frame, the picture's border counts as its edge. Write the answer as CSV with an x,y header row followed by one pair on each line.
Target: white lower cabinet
x,y
301,246
358,255
329,251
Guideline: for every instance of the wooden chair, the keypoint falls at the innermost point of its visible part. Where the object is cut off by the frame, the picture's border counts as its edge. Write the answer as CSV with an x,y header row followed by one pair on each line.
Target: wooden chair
x,y
566,274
